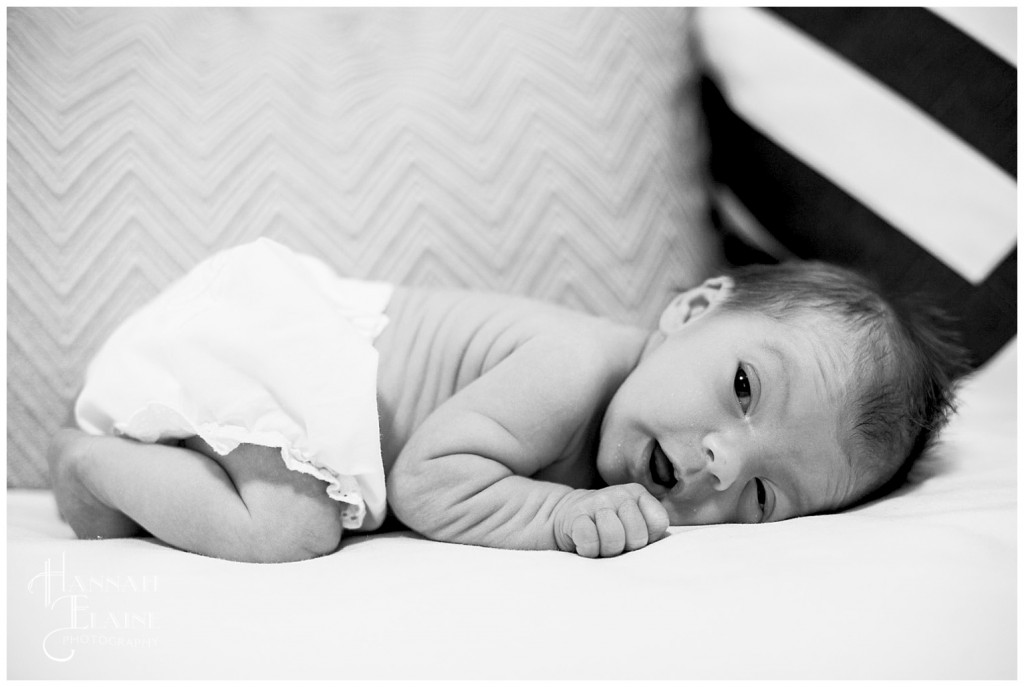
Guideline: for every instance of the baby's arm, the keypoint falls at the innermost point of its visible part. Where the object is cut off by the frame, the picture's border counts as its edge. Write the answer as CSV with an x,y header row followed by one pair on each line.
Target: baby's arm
x,y
463,476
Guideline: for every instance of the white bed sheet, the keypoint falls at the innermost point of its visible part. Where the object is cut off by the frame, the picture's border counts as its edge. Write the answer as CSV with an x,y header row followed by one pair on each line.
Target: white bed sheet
x,y
920,585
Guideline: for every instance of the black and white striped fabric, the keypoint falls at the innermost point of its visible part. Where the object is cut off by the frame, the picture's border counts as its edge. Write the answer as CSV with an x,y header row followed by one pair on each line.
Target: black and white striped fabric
x,y
880,138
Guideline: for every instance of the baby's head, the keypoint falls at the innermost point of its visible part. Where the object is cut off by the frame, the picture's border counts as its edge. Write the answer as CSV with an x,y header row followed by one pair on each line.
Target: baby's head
x,y
780,391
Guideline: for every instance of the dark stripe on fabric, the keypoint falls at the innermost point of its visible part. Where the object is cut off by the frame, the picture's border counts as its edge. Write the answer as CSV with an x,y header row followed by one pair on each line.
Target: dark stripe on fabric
x,y
817,220
953,78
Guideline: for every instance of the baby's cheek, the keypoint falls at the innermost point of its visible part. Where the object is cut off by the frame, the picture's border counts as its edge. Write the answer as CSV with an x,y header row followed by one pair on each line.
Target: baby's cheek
x,y
711,509
609,465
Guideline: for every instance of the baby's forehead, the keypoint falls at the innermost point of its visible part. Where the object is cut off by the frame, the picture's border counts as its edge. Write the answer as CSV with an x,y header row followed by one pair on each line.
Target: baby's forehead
x,y
806,336
825,360
805,318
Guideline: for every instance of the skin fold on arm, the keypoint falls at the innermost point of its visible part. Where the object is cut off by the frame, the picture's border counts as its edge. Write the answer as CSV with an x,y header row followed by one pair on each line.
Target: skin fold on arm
x,y
464,475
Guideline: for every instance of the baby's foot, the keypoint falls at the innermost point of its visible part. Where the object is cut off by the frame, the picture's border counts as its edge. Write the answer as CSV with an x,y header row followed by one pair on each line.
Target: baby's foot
x,y
87,515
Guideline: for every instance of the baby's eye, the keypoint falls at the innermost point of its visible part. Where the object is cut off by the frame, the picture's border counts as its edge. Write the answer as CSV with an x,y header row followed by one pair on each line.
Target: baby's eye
x,y
741,385
765,498
762,495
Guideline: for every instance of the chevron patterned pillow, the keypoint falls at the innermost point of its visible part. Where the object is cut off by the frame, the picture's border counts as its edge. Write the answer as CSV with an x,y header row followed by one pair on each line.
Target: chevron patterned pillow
x,y
552,153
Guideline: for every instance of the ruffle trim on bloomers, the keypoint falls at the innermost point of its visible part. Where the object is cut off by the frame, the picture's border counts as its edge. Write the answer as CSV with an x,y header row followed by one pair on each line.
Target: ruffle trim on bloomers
x,y
259,345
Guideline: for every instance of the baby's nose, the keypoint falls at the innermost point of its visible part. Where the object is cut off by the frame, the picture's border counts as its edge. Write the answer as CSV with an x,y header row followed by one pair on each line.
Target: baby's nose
x,y
723,465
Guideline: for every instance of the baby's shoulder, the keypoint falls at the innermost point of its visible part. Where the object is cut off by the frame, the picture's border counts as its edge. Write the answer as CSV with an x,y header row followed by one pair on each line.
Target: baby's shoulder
x,y
578,339
580,354
521,360
486,328
588,344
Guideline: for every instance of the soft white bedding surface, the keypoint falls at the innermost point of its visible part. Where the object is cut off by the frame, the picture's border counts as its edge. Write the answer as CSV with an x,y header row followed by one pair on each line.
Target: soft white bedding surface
x,y
920,585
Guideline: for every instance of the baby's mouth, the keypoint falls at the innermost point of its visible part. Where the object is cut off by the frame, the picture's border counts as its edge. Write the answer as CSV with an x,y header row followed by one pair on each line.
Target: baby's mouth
x,y
662,471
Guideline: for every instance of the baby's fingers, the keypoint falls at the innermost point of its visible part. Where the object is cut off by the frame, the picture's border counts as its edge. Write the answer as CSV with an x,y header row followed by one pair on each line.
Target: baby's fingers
x,y
584,537
634,525
655,516
611,532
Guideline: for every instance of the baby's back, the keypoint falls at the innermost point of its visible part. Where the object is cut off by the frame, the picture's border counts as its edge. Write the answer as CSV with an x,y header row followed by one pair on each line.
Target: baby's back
x,y
439,341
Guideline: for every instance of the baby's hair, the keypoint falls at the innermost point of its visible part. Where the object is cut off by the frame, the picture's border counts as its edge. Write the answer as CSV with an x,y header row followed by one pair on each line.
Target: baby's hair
x,y
909,362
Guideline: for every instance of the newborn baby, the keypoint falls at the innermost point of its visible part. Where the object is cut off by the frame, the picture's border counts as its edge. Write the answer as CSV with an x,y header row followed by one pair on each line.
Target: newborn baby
x,y
262,405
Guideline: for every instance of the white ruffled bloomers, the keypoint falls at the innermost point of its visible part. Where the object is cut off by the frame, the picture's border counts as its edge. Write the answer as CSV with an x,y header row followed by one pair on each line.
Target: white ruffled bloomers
x,y
257,344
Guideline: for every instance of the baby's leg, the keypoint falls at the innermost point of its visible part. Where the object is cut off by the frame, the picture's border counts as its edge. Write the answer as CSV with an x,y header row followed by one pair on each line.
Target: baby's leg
x,y
245,506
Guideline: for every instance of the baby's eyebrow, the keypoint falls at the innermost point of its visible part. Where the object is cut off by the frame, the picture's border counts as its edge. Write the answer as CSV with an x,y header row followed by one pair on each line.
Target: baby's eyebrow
x,y
783,363
781,383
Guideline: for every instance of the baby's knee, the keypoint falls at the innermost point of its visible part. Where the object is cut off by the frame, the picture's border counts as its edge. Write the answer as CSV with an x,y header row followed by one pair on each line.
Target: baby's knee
x,y
303,530
317,530
66,446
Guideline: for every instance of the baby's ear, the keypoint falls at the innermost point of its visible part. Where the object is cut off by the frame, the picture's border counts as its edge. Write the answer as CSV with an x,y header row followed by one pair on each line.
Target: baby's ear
x,y
694,303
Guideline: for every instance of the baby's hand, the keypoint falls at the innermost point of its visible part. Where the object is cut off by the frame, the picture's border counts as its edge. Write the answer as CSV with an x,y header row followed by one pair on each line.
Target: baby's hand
x,y
606,522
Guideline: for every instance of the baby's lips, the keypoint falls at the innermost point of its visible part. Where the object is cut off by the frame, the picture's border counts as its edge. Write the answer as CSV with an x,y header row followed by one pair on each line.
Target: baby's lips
x,y
646,479
664,471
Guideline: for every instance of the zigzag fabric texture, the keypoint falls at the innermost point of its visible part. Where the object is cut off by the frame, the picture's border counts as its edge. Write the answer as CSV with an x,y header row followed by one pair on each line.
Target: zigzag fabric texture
x,y
551,153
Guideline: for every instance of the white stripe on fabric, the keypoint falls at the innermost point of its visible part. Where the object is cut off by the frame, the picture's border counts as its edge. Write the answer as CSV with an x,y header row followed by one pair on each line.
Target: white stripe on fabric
x,y
993,27
741,221
880,149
